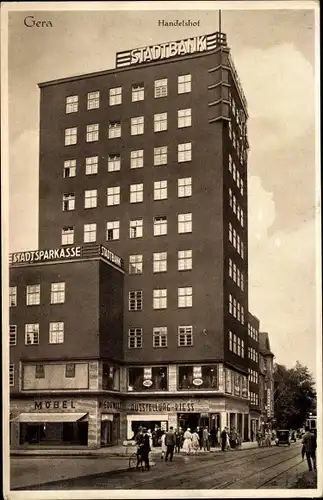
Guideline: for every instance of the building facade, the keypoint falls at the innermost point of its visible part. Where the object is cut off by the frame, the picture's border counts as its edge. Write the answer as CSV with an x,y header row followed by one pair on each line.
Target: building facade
x,y
255,380
149,161
267,379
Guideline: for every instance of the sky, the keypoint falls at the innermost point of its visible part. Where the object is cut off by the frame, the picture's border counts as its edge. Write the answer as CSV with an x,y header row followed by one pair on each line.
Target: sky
x,y
273,51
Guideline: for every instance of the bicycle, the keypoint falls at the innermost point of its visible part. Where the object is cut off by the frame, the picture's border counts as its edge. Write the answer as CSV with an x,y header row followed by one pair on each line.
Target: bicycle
x,y
135,461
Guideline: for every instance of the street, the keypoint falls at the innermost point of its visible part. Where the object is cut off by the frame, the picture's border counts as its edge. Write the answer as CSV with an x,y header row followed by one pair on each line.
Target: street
x,y
275,467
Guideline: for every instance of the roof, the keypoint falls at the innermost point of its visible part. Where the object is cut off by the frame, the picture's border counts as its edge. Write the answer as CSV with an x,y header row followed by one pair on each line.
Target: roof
x,y
264,344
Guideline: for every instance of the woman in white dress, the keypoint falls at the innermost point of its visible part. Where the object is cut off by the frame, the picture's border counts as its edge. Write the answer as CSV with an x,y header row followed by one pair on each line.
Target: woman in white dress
x,y
163,446
187,446
227,446
195,443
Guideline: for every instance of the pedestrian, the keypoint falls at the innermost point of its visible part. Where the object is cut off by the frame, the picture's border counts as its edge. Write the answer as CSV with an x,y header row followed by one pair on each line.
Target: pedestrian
x,y
233,438
206,439
163,445
187,445
218,436
177,441
145,449
195,443
199,431
139,438
252,435
170,441
227,444
150,438
213,437
223,439
309,443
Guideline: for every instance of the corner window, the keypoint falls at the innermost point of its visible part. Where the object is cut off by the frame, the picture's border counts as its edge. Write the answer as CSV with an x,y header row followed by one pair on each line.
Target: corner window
x,y
110,377
198,377
147,378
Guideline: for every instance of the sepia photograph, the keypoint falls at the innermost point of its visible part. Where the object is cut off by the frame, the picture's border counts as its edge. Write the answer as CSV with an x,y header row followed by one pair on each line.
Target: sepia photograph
x,y
161,250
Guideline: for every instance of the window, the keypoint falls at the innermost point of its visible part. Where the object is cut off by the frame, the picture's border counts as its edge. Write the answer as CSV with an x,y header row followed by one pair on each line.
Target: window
x,y
160,336
92,132
160,190
184,260
136,228
115,96
12,334
160,122
56,333
89,233
70,136
185,296
114,130
184,223
185,336
113,196
135,300
138,92
68,235
161,88
113,230
160,156
71,104
90,198
68,202
39,371
184,118
198,377
135,338
136,193
184,152
230,341
135,264
160,262
32,334
148,378
93,100
110,377
91,165
160,226
33,295
57,293
160,298
184,84
11,374
70,370
12,296
69,169
114,163
137,125
184,187
137,159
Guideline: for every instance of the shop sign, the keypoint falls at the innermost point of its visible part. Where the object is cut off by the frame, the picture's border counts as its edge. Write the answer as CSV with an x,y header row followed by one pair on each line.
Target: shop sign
x,y
54,405
166,50
161,407
268,403
45,255
197,381
110,405
112,257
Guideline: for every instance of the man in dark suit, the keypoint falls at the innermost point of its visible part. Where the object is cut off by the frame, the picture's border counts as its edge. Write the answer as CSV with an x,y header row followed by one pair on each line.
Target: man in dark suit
x,y
309,446
145,449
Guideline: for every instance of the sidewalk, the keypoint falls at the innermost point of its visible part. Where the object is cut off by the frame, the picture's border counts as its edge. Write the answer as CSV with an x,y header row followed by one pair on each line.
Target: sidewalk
x,y
111,451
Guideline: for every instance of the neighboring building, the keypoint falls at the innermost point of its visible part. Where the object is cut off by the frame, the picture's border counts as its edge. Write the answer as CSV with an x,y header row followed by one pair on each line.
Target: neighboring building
x,y
267,378
150,158
65,337
255,380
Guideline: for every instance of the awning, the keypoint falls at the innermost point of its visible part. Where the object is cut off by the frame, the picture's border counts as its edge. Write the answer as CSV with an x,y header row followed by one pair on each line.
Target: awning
x,y
48,417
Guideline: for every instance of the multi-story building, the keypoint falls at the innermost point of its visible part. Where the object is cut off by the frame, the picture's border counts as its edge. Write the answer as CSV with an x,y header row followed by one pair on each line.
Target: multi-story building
x,y
150,159
255,394
267,378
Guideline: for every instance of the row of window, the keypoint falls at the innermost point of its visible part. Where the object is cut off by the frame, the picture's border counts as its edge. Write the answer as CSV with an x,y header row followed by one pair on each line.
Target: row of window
x,y
238,143
40,372
184,337
57,294
253,332
184,85
235,274
184,225
236,175
56,333
238,116
236,309
236,240
253,376
253,354
236,344
184,119
184,298
253,398
136,194
184,262
237,210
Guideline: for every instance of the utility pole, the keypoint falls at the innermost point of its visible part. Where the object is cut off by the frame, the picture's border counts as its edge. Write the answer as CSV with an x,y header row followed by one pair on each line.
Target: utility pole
x,y
220,21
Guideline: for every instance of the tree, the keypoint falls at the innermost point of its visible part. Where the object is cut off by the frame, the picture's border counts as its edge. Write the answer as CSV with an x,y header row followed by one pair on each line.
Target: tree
x,y
294,395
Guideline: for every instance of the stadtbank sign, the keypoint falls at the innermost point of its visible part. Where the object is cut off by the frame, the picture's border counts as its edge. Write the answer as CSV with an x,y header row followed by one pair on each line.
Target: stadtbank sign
x,y
168,50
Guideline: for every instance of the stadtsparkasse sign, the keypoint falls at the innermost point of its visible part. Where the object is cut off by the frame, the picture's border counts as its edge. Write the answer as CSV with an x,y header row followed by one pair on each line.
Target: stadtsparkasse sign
x,y
168,50
45,255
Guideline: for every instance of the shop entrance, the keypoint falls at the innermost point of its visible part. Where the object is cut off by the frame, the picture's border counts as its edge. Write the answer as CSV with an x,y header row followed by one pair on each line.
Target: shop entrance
x,y
193,420
155,427
110,429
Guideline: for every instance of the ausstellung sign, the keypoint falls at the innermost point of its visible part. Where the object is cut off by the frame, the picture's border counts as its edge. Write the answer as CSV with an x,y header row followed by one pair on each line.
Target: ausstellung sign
x,y
168,50
45,255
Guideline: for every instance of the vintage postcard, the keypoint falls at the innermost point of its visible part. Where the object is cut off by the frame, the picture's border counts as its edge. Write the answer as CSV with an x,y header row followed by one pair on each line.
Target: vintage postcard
x,y
161,250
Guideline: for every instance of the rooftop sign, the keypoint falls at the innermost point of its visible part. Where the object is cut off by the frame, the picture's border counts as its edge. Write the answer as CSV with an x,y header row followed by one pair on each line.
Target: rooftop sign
x,y
170,49
44,255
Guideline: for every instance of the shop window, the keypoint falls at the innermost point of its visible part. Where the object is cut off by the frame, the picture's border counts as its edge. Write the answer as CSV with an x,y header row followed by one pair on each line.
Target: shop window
x,y
147,378
70,370
110,377
198,377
